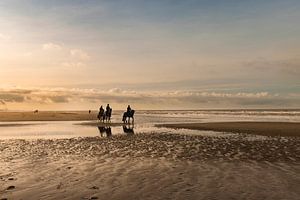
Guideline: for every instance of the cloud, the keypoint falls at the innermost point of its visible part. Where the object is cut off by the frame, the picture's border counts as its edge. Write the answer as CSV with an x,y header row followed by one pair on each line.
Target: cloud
x,y
284,67
59,99
73,64
51,46
145,100
27,54
4,37
10,97
67,57
79,54
115,90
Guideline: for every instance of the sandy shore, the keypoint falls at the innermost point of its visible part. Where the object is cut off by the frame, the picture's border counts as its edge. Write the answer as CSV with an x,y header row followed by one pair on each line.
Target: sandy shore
x,y
150,166
16,124
258,128
48,116
99,124
153,165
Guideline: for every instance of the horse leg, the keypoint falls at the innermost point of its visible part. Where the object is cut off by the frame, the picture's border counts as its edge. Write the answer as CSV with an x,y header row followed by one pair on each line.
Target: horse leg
x,y
124,118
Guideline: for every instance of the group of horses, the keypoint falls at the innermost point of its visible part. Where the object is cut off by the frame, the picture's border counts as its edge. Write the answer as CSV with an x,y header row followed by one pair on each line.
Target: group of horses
x,y
105,116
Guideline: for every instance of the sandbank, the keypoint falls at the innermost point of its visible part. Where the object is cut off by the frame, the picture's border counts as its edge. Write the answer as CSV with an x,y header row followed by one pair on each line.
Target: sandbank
x,y
257,128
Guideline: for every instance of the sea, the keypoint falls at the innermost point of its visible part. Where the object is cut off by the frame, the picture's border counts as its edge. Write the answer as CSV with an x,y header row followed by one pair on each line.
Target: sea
x,y
145,121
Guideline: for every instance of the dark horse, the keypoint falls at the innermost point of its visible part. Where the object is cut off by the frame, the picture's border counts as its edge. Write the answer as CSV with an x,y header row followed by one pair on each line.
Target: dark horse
x,y
128,115
100,115
105,116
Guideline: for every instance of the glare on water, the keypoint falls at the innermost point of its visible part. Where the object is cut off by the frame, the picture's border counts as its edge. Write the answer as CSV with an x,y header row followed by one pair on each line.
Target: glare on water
x,y
144,123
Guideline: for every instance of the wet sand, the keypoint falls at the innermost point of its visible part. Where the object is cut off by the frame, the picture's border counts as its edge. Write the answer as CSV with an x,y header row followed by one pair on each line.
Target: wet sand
x,y
257,128
100,124
48,116
151,166
16,124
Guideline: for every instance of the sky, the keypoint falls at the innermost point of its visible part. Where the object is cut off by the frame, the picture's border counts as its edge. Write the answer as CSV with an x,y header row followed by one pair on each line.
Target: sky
x,y
158,54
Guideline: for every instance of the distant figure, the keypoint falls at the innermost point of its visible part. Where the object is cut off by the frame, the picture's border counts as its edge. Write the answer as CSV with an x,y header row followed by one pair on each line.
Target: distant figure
x,y
90,111
128,114
36,111
101,113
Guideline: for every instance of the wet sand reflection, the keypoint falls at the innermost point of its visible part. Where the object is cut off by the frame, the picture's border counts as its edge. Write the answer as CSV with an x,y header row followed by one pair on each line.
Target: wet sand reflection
x,y
107,132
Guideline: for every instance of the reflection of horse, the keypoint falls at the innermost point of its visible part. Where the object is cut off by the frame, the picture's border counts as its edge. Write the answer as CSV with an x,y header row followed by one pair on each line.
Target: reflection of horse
x,y
128,115
128,130
106,130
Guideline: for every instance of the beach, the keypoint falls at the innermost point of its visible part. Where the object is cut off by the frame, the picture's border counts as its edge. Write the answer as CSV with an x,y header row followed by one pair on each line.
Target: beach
x,y
162,163
48,116
256,128
150,166
149,100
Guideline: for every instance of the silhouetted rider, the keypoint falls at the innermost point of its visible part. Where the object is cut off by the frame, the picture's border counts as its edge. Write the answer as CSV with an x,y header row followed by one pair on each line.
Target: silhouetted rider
x,y
107,108
128,109
101,110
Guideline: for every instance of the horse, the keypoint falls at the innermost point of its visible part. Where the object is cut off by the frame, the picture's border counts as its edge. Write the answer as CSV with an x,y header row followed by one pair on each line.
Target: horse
x,y
128,115
100,116
107,115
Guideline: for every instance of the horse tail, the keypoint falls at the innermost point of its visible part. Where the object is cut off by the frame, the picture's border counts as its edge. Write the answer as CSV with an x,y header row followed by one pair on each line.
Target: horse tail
x,y
124,116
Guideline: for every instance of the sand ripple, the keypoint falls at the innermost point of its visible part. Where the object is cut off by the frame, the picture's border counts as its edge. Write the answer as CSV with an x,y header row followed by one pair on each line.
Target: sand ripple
x,y
170,146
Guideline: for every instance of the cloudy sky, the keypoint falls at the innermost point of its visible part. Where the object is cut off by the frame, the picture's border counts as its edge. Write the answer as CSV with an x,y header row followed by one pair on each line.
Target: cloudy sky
x,y
158,54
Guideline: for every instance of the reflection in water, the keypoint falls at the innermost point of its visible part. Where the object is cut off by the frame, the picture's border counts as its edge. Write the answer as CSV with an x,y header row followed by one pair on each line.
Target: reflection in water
x,y
128,129
106,131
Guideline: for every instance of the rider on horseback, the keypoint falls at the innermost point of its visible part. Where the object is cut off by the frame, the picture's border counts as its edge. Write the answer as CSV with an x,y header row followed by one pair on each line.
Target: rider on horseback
x,y
128,109
107,108
101,113
128,114
101,110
